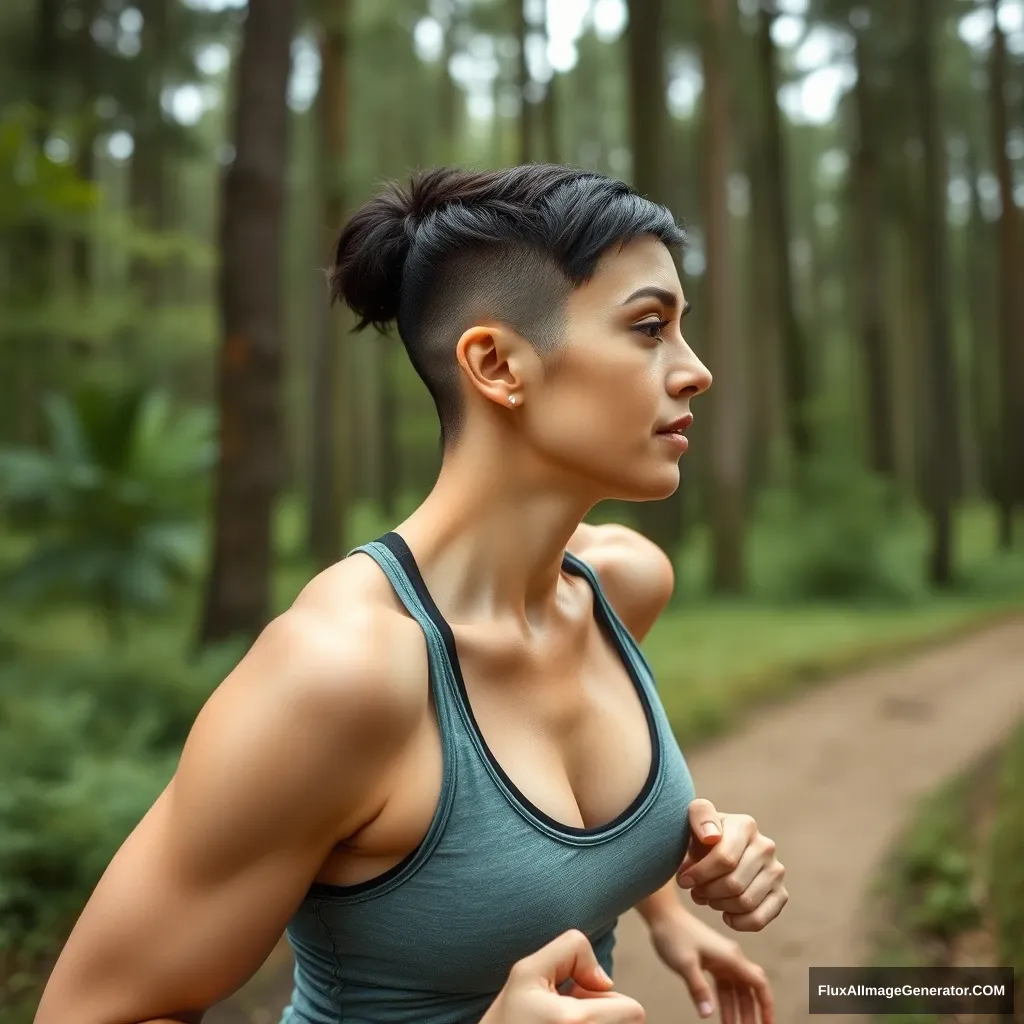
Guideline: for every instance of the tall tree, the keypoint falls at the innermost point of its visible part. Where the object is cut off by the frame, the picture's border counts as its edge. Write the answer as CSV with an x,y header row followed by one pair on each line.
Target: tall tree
x,y
662,521
238,592
728,401
942,430
329,476
1010,490
149,171
870,265
525,150
549,108
450,106
794,347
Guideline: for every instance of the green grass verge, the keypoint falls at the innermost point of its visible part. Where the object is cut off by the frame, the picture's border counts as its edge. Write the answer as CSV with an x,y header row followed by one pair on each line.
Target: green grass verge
x,y
957,868
1006,863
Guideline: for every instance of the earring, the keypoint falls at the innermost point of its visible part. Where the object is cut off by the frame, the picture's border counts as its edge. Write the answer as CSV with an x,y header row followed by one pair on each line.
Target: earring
x,y
511,399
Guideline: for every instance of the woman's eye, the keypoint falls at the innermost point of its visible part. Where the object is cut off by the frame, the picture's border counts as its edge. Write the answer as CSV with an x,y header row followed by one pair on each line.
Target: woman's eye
x,y
652,328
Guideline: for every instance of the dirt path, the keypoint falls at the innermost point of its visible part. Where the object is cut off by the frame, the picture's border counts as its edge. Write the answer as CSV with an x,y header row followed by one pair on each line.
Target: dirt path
x,y
831,777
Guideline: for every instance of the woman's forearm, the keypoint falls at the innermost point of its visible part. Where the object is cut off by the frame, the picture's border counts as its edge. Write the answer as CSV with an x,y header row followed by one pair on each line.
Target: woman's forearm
x,y
661,904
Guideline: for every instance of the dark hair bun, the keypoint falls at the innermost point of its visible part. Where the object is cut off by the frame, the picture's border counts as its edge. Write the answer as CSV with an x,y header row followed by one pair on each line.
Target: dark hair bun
x,y
374,245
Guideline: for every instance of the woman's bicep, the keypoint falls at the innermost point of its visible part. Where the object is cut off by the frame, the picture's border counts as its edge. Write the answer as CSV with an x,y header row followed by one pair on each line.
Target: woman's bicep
x,y
176,923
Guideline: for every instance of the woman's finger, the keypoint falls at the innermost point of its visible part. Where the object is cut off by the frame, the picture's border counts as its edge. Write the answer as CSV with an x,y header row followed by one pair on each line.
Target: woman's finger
x,y
750,899
727,1003
697,982
746,1005
769,909
735,882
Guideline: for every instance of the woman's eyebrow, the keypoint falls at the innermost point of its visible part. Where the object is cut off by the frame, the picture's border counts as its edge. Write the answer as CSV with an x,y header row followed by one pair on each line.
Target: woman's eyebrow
x,y
651,291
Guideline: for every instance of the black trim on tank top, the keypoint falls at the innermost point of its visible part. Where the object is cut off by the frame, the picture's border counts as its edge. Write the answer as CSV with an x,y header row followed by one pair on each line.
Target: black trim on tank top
x,y
398,547
357,888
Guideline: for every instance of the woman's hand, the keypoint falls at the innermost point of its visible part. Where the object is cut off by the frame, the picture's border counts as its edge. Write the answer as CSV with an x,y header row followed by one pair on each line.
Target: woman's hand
x,y
732,868
690,948
531,994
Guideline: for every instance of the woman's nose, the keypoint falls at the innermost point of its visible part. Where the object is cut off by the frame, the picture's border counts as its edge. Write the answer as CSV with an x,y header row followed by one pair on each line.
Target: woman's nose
x,y
690,376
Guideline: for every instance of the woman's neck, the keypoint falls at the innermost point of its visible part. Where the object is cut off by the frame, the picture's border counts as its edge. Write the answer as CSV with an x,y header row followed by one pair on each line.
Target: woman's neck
x,y
491,535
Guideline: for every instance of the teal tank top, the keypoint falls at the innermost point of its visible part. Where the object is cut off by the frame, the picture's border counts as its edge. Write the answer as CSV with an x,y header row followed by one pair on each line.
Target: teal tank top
x,y
431,941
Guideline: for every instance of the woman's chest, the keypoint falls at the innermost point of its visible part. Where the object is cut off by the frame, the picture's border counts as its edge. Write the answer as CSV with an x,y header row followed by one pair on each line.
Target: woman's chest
x,y
495,888
568,725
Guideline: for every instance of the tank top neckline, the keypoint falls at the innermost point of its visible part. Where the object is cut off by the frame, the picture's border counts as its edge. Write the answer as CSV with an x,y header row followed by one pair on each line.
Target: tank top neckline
x,y
396,544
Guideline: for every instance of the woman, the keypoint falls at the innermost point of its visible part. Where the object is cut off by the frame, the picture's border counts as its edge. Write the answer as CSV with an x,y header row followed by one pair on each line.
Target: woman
x,y
450,749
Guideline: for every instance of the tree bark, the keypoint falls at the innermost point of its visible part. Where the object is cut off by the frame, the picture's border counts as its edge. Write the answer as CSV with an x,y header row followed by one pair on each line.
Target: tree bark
x,y
85,61
874,336
982,300
1010,491
149,182
249,371
549,114
728,401
329,474
942,431
794,349
449,105
525,151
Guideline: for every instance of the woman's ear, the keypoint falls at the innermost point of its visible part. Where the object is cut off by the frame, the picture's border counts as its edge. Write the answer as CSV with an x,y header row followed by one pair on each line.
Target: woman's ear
x,y
497,362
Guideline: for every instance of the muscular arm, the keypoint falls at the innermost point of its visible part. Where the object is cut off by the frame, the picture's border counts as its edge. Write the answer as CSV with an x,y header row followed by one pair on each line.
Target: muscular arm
x,y
282,762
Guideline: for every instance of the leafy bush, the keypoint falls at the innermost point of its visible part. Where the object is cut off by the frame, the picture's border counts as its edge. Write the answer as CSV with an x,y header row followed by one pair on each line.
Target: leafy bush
x,y
843,534
85,748
113,505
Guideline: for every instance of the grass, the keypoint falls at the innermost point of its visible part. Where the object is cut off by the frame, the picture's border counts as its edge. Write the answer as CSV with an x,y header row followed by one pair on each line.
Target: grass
x,y
955,878
1006,862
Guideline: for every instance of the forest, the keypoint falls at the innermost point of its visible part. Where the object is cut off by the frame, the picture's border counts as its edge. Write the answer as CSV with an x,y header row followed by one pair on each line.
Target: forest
x,y
189,431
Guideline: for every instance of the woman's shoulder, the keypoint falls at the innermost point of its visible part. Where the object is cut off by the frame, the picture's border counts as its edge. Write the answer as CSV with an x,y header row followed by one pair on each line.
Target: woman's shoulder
x,y
635,574
341,671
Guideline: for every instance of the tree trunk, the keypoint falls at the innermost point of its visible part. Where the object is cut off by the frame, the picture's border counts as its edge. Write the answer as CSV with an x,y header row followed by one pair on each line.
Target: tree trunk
x,y
661,521
86,60
525,151
984,379
871,276
449,105
148,188
549,113
329,474
1010,491
728,401
942,433
794,349
238,594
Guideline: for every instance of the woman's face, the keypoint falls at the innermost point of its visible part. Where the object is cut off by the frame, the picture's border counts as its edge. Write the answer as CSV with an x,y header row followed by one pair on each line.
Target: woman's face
x,y
622,377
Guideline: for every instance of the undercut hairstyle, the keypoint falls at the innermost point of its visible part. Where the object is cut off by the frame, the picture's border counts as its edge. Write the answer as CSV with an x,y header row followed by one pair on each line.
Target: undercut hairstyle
x,y
453,248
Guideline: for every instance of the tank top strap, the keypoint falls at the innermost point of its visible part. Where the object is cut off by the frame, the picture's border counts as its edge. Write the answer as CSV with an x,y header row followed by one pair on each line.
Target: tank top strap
x,y
390,552
627,644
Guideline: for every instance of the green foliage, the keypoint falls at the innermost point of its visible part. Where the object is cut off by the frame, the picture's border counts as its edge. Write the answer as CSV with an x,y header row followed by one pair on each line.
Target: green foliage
x,y
841,533
86,745
33,188
935,868
949,874
1006,885
113,504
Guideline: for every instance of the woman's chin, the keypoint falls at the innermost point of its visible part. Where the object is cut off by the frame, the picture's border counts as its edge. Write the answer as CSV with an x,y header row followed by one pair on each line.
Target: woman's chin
x,y
656,486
